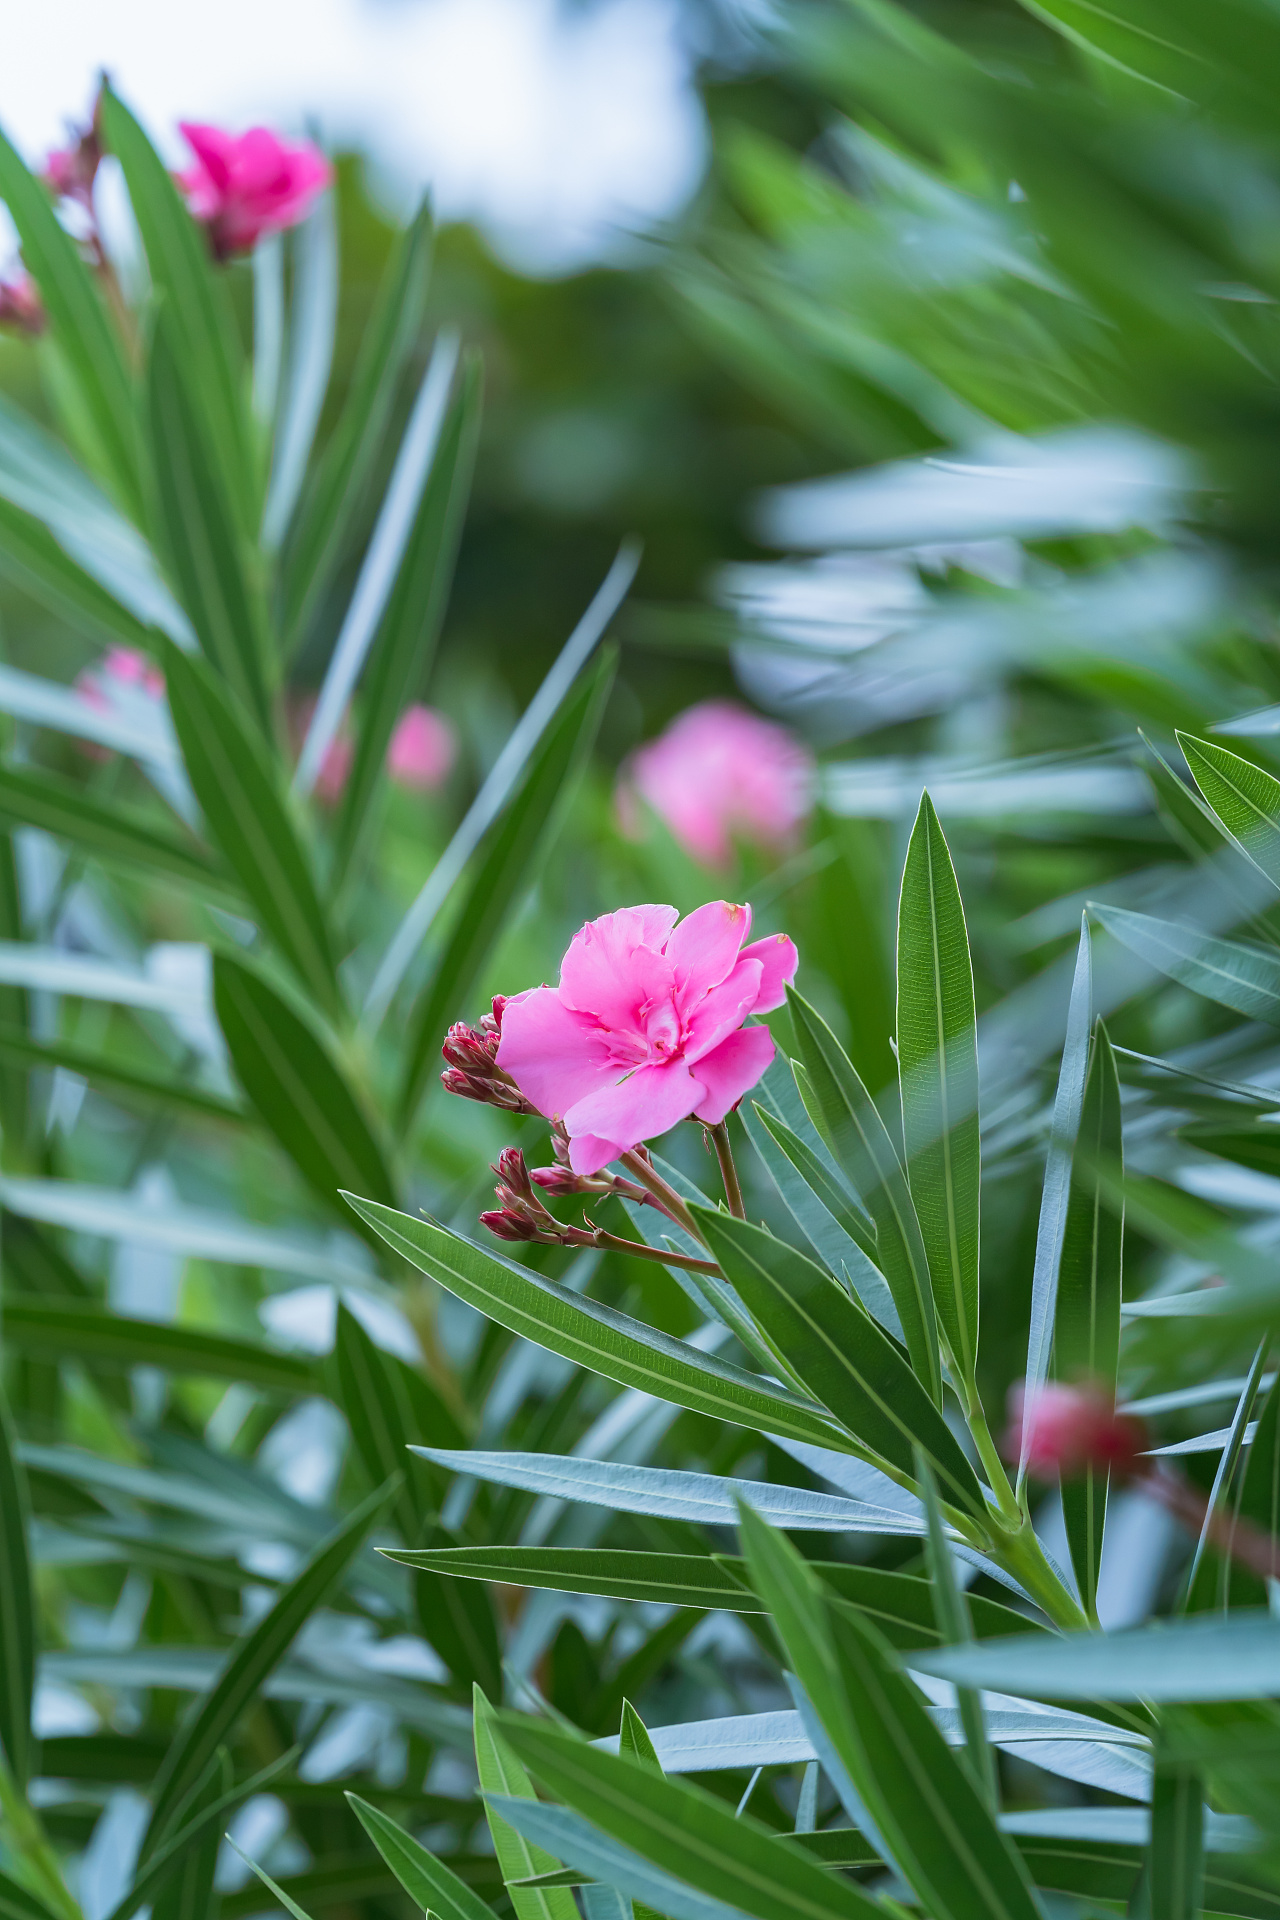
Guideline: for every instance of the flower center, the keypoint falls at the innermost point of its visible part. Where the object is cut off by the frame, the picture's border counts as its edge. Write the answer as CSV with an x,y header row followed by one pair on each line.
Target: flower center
x,y
662,1028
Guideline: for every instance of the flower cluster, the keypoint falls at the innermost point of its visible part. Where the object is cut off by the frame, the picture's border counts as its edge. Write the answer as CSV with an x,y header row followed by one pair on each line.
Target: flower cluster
x,y
471,1063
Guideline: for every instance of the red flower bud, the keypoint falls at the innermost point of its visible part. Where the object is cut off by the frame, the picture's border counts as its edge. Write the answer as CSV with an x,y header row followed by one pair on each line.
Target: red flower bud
x,y
1073,1427
509,1226
561,1181
514,1175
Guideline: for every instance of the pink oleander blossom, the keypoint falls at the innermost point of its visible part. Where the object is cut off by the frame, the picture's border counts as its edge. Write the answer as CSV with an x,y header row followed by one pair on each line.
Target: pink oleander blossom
x,y
123,675
422,750
244,185
1071,1428
646,1026
718,774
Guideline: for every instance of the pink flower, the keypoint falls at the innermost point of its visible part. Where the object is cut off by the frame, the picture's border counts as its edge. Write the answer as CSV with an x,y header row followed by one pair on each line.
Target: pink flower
x,y
122,674
718,773
646,1026
245,185
421,751
1073,1428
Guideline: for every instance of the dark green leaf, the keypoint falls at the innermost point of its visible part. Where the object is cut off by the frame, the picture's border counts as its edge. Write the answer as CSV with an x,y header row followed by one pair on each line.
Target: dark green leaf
x,y
1175,1864
404,644
107,831
426,1880
1260,1494
951,1607
593,1335
391,1407
189,1894
101,1070
50,1332
17,1620
843,1209
33,560
88,343
238,790
295,1084
1087,1325
248,1666
336,496
17,1904
847,1117
938,1068
1247,1146
840,1354
500,1772
200,532
507,864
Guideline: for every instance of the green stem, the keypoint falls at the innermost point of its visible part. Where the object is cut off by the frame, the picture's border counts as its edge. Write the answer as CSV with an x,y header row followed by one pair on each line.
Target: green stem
x,y
26,1837
1022,1555
641,1168
719,1136
666,1256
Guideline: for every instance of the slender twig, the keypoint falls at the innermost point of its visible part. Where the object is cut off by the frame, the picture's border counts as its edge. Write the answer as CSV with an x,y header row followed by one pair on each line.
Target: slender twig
x,y
638,1163
719,1138
666,1255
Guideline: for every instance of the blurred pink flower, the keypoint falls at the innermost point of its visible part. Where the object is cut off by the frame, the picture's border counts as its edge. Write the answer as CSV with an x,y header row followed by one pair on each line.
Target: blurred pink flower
x,y
646,1026
719,772
20,304
335,768
245,185
1072,1427
422,750
123,668
70,171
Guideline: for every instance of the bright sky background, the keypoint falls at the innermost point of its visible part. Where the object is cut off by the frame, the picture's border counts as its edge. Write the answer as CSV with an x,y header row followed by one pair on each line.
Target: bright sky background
x,y
556,130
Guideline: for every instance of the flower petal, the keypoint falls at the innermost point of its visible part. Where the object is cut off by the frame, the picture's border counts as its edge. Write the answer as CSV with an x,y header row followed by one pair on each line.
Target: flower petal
x,y
733,1070
555,1056
645,1104
588,1153
703,948
722,1011
615,964
778,956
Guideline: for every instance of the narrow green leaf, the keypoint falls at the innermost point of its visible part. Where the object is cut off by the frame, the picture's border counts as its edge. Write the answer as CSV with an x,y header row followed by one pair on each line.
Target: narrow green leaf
x,y
1247,979
297,1087
593,1335
238,788
390,1407
839,1204
1204,1657
1260,1494
1175,1863
286,1900
17,1615
501,1772
16,1903
952,1609
336,495
101,1070
1256,1146
32,559
182,272
403,647
846,1115
109,831
15,1006
151,1880
938,1069
507,864
48,1331
91,349
840,1354
250,1663
1243,797
634,1742
682,1829
199,530
941,1835
1228,1459
1087,1324
189,1893
313,318
426,1880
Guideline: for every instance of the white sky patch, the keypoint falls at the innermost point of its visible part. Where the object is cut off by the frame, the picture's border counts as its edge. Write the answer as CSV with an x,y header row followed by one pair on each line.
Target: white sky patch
x,y
558,132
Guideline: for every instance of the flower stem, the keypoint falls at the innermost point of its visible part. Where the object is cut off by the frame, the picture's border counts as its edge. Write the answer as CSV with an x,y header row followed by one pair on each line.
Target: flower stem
x,y
639,1165
719,1137
667,1256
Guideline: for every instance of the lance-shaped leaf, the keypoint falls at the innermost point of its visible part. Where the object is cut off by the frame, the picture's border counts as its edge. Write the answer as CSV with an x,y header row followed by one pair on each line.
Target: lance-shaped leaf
x,y
17,1619
427,1881
238,788
1175,1862
17,1903
951,1607
189,1892
593,1335
291,1077
391,1407
49,1330
500,1772
1259,1502
402,649
105,830
508,861
685,1832
337,492
938,1071
634,1741
100,1069
846,1115
88,343
940,1833
194,296
1087,1326
199,530
839,1353
250,1663
1247,979
1243,797
32,559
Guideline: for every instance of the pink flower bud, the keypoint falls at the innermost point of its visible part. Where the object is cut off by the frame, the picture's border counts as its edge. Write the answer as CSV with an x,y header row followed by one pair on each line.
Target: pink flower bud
x,y
70,171
422,750
514,1175
20,304
131,668
509,1226
1073,1427
561,1181
242,186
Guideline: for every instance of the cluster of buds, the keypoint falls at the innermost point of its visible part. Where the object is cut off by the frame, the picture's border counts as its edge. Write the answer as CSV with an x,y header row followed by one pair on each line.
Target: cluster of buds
x,y
522,1215
471,1064
1072,1428
20,304
70,171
